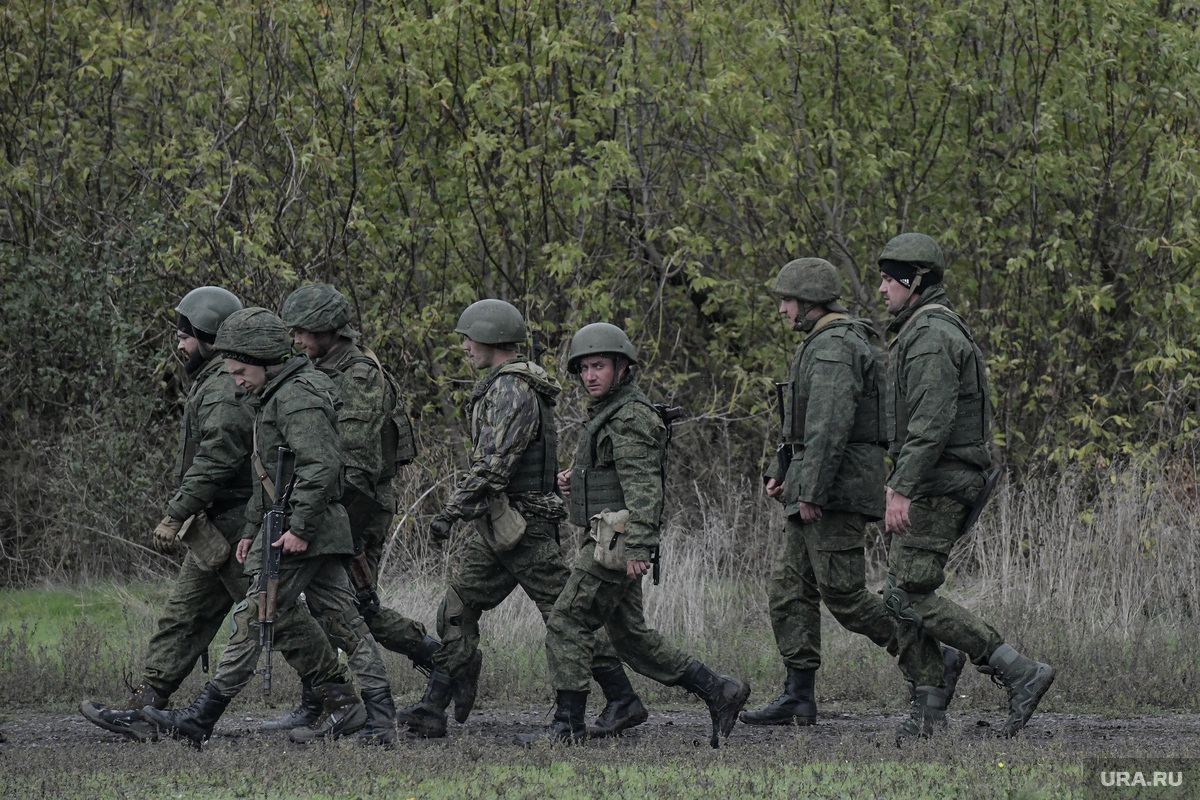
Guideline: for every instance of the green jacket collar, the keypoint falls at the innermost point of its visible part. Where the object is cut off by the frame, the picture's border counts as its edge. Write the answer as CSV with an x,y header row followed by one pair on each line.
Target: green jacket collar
x,y
627,390
290,368
338,356
935,295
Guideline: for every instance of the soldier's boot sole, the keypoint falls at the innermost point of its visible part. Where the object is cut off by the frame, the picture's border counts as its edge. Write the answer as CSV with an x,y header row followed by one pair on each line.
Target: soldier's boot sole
x,y
128,723
1034,689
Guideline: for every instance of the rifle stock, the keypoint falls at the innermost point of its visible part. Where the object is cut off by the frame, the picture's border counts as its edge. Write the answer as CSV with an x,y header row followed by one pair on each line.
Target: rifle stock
x,y
275,524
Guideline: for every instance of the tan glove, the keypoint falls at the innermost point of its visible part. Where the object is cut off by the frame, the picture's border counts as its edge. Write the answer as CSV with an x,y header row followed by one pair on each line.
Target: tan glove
x,y
165,536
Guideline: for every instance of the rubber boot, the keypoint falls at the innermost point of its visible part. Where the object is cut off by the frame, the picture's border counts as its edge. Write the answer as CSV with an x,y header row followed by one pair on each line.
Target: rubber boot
x,y
796,705
127,719
302,716
623,709
1026,680
427,718
928,709
568,725
342,715
466,687
381,718
724,696
194,723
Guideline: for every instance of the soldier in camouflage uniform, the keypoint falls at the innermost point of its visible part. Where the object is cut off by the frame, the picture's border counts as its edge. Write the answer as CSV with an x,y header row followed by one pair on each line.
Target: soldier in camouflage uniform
x,y
828,473
616,492
296,407
376,439
939,418
510,493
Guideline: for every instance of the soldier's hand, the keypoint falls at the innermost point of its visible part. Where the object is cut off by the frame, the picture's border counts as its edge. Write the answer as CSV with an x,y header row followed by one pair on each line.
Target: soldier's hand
x,y
895,518
439,529
636,569
243,549
809,512
165,537
291,543
774,488
564,482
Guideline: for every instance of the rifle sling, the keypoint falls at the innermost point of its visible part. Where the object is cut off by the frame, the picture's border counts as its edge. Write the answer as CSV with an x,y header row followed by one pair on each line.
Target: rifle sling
x,y
260,468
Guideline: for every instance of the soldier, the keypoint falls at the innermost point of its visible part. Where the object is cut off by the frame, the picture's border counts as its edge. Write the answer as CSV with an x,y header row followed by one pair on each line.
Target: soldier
x,y
510,491
939,414
616,491
828,473
296,408
376,440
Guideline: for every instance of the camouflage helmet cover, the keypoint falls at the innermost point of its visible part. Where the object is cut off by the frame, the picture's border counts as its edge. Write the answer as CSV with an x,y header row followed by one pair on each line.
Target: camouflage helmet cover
x,y
254,336
916,248
814,280
599,338
206,307
318,308
492,322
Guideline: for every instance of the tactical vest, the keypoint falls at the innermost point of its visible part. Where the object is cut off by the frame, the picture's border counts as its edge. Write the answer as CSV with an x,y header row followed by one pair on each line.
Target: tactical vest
x,y
596,487
398,443
869,415
535,470
973,417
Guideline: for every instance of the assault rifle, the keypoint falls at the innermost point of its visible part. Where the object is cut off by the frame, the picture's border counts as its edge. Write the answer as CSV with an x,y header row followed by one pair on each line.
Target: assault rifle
x,y
783,453
275,523
362,580
670,415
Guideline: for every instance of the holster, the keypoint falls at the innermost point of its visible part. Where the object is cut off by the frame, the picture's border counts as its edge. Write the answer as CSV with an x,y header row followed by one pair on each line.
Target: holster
x,y
607,531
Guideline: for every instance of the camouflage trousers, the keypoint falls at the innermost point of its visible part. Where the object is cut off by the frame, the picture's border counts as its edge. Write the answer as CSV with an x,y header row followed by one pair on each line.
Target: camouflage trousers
x,y
824,561
916,569
485,577
199,601
390,628
305,644
597,600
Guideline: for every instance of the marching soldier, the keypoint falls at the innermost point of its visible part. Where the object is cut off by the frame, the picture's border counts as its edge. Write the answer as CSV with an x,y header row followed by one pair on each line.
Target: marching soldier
x,y
940,423
616,492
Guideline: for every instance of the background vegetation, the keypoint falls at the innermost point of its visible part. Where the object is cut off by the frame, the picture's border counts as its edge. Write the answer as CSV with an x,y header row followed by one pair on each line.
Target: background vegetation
x,y
650,164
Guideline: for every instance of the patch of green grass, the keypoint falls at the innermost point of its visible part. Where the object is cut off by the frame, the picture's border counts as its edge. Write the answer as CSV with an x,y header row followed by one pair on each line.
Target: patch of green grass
x,y
50,614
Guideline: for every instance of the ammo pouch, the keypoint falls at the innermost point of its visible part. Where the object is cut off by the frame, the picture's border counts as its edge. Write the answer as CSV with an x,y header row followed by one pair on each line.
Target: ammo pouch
x,y
502,526
607,530
205,540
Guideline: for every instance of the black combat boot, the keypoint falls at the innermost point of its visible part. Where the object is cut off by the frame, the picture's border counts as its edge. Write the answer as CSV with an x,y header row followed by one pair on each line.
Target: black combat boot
x,y
796,705
953,662
623,709
466,687
127,719
381,718
1026,680
927,710
194,723
303,715
342,715
568,726
427,718
723,695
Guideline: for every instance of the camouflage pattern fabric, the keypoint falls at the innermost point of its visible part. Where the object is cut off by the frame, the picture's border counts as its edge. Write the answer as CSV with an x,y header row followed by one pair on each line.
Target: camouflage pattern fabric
x,y
390,628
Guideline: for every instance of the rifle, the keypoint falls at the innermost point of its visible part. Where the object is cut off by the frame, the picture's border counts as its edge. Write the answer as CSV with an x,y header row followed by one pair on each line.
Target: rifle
x,y
363,582
275,524
670,415
783,453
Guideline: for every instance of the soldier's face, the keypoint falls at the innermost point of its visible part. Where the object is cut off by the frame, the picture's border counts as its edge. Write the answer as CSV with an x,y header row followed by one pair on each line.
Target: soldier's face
x,y
247,377
480,355
895,293
187,346
313,345
789,307
598,374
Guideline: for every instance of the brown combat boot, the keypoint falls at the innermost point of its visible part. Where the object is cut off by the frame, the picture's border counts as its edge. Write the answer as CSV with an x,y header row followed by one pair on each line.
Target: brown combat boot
x,y
127,719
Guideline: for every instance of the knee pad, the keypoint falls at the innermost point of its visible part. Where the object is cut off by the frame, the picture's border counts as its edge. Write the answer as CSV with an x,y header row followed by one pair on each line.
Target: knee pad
x,y
450,613
245,615
899,604
344,627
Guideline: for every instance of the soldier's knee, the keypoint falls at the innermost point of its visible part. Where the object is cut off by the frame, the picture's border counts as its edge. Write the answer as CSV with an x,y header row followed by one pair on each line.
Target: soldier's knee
x,y
452,613
899,603
345,627
245,615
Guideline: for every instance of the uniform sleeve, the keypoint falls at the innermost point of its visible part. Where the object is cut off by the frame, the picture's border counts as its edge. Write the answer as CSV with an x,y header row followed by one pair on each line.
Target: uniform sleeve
x,y
834,387
318,454
360,421
636,434
931,380
221,454
508,424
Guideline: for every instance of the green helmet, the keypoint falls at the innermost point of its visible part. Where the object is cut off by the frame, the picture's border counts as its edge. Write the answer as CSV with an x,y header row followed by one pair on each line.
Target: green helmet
x,y
254,336
318,308
599,338
492,322
206,307
916,248
814,280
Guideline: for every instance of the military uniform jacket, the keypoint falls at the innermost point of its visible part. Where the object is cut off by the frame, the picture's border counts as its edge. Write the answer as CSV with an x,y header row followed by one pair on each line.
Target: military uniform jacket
x,y
509,415
298,409
366,398
214,450
833,421
631,439
939,411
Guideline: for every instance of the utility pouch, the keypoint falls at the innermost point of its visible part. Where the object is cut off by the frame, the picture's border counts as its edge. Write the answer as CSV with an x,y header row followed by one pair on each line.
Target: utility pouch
x,y
205,540
503,526
607,530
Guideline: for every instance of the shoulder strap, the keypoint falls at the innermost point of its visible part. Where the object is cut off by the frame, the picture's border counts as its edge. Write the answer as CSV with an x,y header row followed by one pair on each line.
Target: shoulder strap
x,y
260,468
